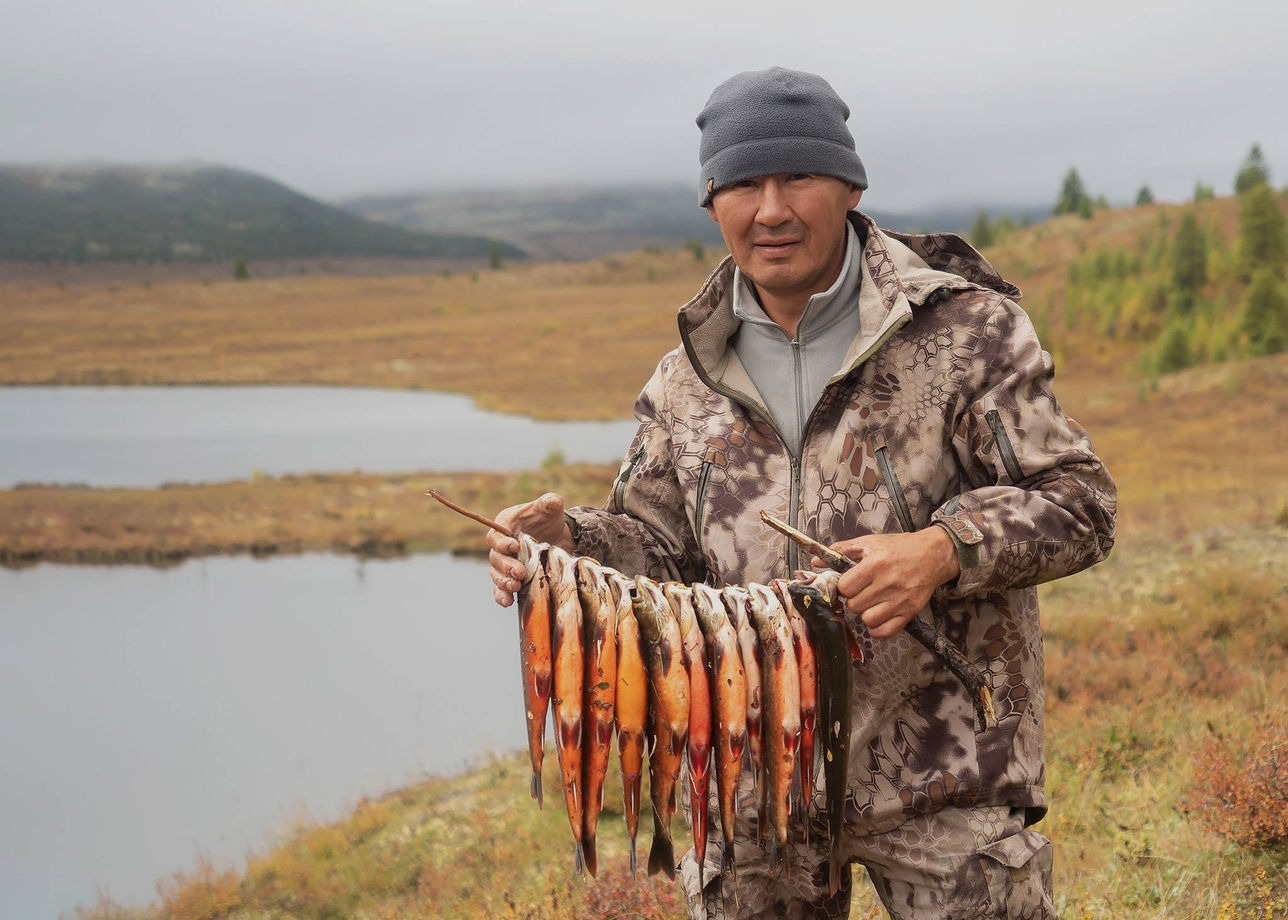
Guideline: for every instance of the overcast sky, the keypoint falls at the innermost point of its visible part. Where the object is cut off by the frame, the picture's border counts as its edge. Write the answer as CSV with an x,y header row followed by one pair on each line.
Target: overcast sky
x,y
950,102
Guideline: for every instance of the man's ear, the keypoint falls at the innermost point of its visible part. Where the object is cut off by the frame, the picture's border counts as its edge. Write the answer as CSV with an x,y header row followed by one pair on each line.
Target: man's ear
x,y
855,194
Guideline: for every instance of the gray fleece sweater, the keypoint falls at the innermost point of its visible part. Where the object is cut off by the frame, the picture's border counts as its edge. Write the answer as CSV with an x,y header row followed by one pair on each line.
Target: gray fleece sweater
x,y
791,373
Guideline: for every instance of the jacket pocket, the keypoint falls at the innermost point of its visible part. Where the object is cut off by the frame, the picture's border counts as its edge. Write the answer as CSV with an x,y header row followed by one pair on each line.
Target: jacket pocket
x,y
700,506
1005,450
623,477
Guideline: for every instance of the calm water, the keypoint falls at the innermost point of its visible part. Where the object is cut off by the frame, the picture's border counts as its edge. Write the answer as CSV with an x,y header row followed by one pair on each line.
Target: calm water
x,y
150,716
145,436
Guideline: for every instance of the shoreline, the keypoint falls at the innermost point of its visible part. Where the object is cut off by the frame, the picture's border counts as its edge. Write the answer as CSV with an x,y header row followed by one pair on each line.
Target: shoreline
x,y
362,514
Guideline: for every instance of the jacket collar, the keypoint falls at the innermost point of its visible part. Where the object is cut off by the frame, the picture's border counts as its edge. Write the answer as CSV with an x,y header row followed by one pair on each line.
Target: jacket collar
x,y
899,271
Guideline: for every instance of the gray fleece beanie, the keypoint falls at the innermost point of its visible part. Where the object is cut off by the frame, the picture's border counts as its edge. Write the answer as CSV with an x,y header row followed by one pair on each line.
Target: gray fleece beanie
x,y
764,122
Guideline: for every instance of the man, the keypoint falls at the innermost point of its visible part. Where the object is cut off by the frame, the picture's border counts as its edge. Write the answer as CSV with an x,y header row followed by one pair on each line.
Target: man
x,y
884,393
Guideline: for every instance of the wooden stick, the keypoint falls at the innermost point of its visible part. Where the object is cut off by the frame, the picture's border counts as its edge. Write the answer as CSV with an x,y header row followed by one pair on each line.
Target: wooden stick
x,y
925,633
488,522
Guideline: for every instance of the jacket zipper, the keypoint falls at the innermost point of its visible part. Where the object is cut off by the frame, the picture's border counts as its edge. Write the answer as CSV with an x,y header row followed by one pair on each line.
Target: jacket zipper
x,y
895,488
1005,449
619,488
793,501
698,513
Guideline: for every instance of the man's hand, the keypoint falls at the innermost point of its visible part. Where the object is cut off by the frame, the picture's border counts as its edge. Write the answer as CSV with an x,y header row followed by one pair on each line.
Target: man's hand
x,y
895,576
541,519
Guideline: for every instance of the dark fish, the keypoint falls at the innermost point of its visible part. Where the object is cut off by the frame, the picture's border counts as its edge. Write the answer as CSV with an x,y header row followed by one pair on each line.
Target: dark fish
x,y
819,603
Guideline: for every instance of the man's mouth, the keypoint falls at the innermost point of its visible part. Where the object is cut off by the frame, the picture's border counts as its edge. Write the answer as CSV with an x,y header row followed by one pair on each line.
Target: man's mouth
x,y
775,247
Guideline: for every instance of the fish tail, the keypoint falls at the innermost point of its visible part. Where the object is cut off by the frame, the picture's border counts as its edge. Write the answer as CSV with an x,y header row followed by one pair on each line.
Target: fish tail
x,y
580,860
536,791
833,873
588,856
662,856
633,857
773,851
726,858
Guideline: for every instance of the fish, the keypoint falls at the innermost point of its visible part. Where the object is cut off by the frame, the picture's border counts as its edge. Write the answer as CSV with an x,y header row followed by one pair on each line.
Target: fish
x,y
806,663
729,690
599,648
736,600
782,717
669,716
698,748
534,651
819,603
631,713
569,677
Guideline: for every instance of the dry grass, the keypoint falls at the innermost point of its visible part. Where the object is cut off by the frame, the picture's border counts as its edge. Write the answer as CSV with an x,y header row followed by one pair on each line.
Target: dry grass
x,y
348,512
551,341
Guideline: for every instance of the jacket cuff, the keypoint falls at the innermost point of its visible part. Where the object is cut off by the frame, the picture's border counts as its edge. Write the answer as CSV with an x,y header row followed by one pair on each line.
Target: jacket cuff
x,y
968,538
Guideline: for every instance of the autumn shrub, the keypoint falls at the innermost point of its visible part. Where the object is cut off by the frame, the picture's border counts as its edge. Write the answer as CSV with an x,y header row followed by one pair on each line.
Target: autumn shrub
x,y
615,894
203,894
1240,786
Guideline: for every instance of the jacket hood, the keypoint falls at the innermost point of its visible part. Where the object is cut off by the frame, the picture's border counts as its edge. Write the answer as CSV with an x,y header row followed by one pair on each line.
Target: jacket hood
x,y
900,270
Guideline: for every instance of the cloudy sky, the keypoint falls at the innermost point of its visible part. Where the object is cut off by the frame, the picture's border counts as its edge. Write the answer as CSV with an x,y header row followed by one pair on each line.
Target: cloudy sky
x,y
951,102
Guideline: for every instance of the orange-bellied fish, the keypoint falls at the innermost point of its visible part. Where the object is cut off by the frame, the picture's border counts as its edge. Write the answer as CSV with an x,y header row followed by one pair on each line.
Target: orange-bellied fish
x,y
729,689
736,600
534,650
819,603
805,661
669,713
782,724
599,631
569,676
699,742
632,704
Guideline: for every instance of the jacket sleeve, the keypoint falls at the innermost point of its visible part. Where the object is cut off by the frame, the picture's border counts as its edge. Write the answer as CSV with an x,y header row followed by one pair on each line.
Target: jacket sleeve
x,y
643,528
1040,503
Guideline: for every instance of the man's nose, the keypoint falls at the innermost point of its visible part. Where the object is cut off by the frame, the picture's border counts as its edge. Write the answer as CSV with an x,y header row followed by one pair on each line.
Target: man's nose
x,y
774,209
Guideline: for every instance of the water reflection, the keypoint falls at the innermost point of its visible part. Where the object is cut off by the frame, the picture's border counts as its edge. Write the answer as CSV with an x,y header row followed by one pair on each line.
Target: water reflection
x,y
149,716
144,436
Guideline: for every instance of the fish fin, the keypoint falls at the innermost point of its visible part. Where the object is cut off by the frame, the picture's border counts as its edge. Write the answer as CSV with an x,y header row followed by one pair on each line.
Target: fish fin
x,y
589,858
661,857
536,790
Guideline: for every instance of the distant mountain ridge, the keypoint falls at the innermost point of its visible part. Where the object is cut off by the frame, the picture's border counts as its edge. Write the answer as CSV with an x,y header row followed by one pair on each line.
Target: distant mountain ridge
x,y
192,212
575,223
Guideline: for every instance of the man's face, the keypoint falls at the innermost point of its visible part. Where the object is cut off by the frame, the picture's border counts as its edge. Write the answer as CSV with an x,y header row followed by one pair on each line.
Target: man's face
x,y
787,231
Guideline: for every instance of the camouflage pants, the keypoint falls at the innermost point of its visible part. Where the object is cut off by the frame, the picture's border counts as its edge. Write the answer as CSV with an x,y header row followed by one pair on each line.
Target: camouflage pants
x,y
955,864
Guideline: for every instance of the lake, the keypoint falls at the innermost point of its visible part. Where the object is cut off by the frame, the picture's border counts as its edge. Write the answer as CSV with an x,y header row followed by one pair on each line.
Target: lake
x,y
149,716
146,436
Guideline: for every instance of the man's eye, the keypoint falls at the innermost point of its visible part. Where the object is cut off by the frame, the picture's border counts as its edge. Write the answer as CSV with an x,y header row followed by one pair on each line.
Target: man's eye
x,y
797,177
745,183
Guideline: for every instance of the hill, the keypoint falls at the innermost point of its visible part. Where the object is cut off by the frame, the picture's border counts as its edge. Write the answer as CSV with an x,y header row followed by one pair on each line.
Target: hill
x,y
190,213
575,223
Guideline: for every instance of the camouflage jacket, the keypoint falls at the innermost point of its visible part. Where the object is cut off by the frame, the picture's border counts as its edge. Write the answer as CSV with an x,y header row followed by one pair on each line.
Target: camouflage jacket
x,y
942,413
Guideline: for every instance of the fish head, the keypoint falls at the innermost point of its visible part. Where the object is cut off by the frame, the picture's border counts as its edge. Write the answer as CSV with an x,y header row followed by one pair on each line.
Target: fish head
x,y
815,595
680,598
646,609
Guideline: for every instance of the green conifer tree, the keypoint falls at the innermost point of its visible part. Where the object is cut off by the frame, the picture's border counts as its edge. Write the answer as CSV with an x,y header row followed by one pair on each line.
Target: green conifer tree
x,y
1203,192
1189,258
1254,171
1073,194
1144,196
1263,232
240,271
1174,348
981,232
1265,314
